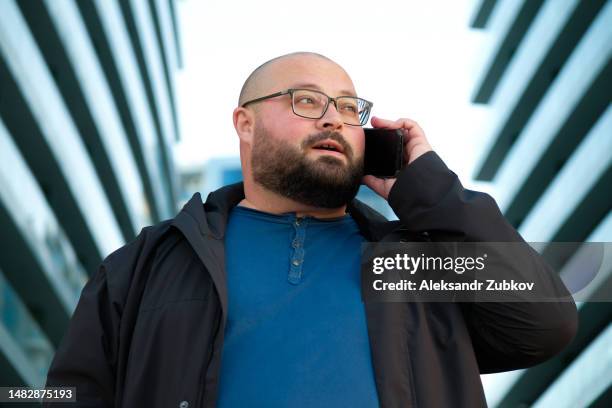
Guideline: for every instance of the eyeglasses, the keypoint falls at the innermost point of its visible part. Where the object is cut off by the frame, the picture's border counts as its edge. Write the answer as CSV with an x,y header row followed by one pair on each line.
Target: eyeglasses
x,y
311,104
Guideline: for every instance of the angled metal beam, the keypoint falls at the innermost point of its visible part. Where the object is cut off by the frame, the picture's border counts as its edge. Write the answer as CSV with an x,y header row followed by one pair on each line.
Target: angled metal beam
x,y
177,37
482,14
575,182
137,17
164,34
25,352
570,108
37,258
65,45
546,48
512,37
107,28
34,112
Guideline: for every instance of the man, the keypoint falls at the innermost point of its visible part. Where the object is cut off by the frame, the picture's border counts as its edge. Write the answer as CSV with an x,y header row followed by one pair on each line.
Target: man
x,y
253,299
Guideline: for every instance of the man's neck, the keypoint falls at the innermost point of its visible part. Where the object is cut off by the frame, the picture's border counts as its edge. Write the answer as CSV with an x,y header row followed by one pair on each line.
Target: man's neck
x,y
261,199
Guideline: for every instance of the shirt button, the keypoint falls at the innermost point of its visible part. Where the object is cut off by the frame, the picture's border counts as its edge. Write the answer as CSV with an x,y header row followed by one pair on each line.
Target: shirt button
x,y
184,404
296,262
295,243
298,221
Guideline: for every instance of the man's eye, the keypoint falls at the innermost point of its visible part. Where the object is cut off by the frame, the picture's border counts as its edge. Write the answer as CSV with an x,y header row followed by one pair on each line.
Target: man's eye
x,y
306,100
349,108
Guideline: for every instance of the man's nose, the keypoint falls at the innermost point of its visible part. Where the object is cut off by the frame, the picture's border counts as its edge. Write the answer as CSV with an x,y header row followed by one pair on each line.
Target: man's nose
x,y
331,119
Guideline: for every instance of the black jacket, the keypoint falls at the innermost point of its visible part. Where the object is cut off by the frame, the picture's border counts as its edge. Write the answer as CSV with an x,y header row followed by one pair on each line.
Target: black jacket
x,y
148,329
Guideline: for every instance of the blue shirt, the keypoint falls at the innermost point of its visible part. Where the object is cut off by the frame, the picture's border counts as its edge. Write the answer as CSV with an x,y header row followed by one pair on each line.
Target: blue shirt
x,y
296,334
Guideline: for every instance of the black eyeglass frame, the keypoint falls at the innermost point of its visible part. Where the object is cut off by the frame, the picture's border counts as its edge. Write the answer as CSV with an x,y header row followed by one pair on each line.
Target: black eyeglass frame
x,y
290,92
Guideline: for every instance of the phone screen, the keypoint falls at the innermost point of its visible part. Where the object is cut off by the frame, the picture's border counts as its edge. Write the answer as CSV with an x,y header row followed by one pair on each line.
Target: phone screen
x,y
384,155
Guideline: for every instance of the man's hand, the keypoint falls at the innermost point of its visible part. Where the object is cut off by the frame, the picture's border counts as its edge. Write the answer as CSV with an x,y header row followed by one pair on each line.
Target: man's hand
x,y
415,145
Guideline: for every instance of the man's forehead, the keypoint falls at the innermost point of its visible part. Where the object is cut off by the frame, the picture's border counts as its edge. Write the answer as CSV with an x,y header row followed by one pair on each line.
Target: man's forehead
x,y
291,70
344,91
306,71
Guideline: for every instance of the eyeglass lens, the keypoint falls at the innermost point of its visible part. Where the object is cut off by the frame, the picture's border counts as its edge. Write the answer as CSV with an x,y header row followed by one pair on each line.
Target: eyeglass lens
x,y
312,104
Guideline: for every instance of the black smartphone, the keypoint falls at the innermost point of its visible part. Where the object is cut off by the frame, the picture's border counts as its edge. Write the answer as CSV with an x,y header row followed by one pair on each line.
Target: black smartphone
x,y
384,152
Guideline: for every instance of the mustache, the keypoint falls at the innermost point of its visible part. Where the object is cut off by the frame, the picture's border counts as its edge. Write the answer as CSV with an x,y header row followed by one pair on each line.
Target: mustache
x,y
328,134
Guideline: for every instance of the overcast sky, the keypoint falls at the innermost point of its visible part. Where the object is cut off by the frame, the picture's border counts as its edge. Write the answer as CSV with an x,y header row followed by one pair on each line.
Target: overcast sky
x,y
412,58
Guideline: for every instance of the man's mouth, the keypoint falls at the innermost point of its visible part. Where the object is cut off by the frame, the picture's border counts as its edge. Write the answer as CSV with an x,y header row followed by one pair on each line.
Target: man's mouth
x,y
329,146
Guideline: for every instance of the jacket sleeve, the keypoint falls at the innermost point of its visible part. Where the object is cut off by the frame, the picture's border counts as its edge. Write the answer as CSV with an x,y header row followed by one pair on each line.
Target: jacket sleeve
x,y
85,358
89,353
428,197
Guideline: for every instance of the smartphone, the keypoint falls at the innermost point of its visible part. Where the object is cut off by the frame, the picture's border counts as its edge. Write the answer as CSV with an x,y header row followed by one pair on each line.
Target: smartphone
x,y
384,152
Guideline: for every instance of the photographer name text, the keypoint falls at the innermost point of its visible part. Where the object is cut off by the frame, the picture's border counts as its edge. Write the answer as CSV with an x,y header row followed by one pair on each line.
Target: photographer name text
x,y
442,285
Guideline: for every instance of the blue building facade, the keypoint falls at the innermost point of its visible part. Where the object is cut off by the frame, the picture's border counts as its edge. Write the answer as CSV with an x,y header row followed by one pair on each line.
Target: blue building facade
x,y
547,81
87,122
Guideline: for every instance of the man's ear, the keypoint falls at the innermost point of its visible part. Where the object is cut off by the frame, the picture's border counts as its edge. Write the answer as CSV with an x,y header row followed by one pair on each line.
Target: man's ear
x,y
244,123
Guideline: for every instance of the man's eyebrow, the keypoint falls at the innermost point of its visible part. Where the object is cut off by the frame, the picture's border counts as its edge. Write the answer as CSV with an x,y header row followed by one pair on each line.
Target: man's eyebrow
x,y
308,85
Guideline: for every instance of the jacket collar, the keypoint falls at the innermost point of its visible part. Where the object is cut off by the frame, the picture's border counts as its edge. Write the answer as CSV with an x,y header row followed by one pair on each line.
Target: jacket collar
x,y
211,217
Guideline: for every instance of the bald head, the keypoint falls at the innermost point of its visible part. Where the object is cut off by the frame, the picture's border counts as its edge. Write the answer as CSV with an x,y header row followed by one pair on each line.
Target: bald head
x,y
262,78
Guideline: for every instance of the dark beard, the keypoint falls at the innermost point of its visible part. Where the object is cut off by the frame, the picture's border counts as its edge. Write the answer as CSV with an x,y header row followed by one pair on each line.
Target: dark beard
x,y
326,182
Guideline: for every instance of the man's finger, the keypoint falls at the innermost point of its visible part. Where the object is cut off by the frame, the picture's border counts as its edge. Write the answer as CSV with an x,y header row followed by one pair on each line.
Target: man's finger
x,y
383,123
402,123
